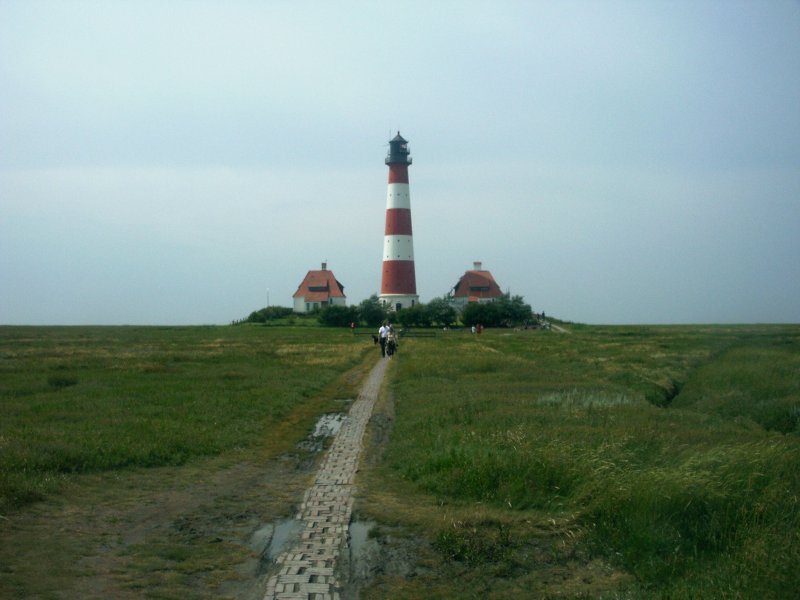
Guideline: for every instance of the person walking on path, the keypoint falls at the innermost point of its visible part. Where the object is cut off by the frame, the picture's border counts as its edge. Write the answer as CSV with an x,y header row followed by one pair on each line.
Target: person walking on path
x,y
383,332
391,343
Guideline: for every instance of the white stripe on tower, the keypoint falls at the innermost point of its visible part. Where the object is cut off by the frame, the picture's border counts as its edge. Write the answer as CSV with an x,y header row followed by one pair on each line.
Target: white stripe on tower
x,y
398,247
397,196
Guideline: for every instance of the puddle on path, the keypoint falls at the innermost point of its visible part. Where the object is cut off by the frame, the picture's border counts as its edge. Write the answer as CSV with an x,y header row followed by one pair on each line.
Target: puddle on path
x,y
285,533
329,425
272,539
260,538
364,559
359,534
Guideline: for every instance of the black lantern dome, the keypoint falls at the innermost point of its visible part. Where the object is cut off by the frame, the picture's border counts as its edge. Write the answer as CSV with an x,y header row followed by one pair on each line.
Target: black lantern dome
x,y
398,151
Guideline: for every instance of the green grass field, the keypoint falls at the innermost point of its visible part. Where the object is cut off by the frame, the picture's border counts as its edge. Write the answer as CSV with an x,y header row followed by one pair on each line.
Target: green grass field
x,y
91,399
610,462
670,453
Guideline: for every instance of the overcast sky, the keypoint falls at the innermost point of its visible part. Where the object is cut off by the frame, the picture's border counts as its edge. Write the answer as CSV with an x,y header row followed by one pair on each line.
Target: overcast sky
x,y
188,162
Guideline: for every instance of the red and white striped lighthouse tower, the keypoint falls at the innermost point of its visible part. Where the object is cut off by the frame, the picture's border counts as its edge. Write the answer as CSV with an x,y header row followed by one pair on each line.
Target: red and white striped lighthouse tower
x,y
398,282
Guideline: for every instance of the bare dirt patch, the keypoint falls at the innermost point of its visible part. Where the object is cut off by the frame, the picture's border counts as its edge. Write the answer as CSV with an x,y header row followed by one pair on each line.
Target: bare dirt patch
x,y
168,532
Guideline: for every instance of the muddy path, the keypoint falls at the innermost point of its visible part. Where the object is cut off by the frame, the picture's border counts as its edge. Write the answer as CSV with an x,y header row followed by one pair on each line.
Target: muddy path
x,y
309,566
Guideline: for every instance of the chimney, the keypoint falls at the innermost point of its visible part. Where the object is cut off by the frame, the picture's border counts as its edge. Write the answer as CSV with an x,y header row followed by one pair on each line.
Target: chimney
x,y
324,266
477,266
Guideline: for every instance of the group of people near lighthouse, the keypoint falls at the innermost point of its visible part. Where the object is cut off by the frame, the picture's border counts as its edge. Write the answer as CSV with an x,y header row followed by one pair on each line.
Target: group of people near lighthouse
x,y
387,339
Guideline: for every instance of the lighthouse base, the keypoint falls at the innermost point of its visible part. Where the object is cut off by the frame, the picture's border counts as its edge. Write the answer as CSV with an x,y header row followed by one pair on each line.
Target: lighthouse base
x,y
399,301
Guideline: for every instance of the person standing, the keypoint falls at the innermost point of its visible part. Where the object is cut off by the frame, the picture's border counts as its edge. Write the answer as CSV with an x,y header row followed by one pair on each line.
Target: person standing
x,y
391,343
382,333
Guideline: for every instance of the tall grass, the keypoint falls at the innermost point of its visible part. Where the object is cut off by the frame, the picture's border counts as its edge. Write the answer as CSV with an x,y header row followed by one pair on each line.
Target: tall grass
x,y
687,495
759,382
88,399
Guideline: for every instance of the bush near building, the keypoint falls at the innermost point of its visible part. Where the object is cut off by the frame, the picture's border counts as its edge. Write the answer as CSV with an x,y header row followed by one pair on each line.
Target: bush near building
x,y
338,316
270,313
506,311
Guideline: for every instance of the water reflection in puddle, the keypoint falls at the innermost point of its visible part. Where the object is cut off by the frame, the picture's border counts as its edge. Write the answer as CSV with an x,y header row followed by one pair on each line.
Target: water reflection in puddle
x,y
329,425
260,538
272,539
285,532
359,534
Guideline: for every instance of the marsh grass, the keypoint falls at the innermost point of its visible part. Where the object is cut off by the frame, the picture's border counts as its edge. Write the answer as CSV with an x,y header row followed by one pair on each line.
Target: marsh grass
x,y
672,451
615,462
759,382
95,399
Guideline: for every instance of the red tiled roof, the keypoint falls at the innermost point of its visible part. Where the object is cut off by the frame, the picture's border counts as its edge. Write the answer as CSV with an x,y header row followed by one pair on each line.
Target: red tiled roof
x,y
319,286
477,285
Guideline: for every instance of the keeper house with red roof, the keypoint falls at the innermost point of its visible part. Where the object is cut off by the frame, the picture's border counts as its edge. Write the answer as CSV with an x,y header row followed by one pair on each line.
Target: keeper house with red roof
x,y
476,285
318,289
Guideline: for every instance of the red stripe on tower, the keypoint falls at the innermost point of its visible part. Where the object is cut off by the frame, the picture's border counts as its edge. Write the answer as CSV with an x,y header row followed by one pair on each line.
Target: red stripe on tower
x,y
398,173
398,280
398,221
398,277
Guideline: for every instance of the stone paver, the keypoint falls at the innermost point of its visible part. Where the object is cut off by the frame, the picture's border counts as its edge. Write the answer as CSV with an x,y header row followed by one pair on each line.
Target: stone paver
x,y
307,570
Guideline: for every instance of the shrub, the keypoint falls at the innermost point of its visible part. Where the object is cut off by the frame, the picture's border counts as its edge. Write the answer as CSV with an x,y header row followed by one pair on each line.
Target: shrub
x,y
338,316
506,311
371,312
414,316
441,312
267,314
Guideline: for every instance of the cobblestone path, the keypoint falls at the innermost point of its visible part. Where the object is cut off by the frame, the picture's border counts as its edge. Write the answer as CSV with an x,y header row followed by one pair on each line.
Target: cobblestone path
x,y
307,570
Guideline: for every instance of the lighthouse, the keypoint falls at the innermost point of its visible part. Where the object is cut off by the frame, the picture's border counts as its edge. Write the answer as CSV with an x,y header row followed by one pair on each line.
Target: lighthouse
x,y
398,281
